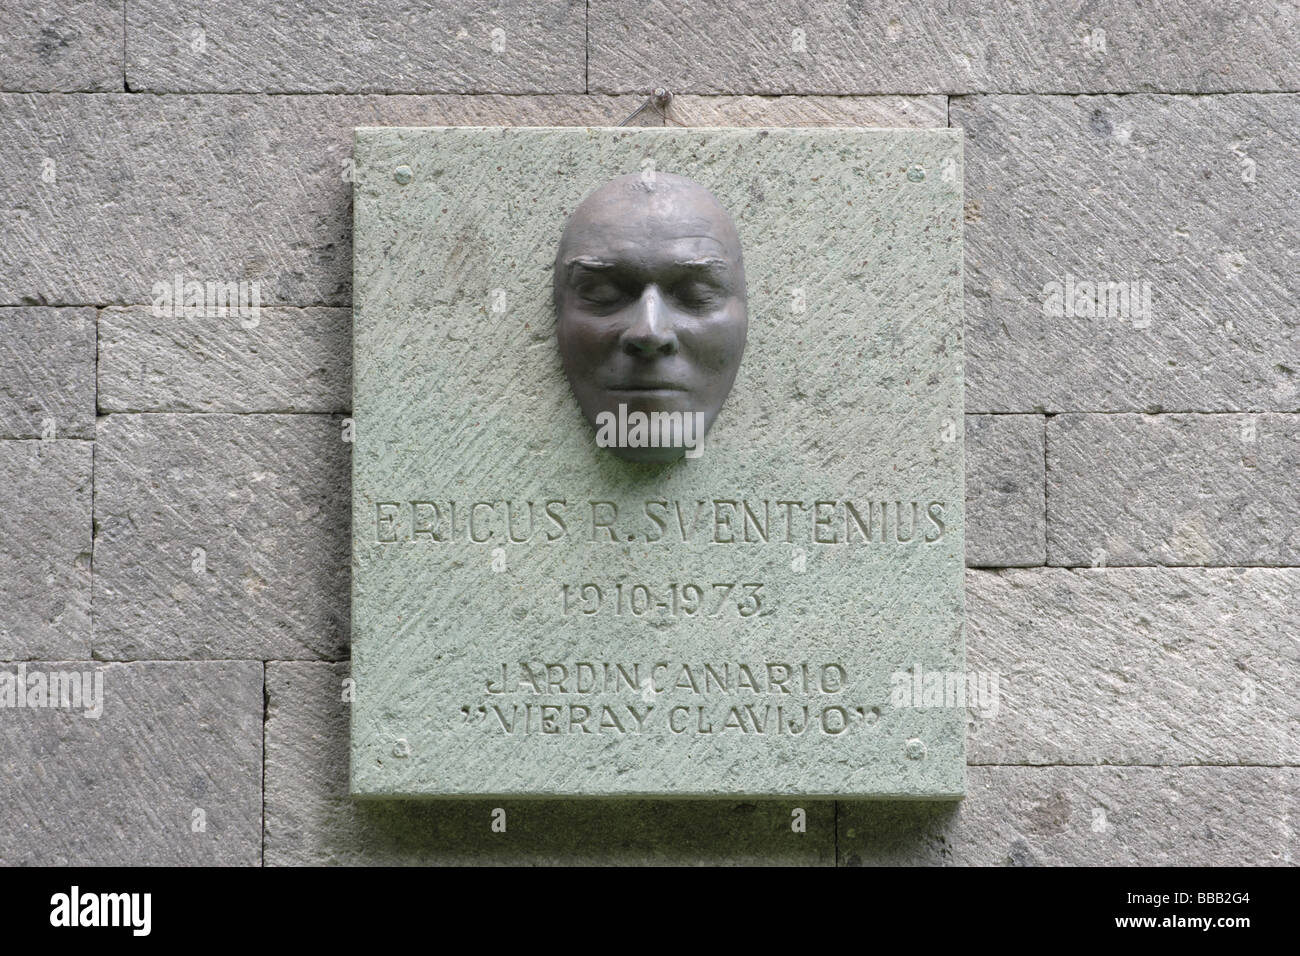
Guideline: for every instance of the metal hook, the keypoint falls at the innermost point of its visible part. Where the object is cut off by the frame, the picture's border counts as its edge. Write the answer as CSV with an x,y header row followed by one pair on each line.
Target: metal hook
x,y
659,99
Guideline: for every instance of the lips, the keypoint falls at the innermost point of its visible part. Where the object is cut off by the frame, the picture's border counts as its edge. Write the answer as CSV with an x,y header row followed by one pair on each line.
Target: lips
x,y
648,387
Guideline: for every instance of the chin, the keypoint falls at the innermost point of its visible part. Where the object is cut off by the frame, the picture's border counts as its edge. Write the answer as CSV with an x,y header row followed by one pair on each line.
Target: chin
x,y
650,455
650,429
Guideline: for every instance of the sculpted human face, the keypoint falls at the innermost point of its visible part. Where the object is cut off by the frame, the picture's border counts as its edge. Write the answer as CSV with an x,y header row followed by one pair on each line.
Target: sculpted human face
x,y
650,302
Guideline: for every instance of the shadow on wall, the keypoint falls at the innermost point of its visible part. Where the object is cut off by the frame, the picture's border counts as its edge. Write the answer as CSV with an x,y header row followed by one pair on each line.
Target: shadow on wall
x,y
896,833
697,832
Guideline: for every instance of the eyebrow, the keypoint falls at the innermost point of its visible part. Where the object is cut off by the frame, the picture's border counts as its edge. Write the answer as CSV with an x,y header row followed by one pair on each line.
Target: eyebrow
x,y
597,264
587,262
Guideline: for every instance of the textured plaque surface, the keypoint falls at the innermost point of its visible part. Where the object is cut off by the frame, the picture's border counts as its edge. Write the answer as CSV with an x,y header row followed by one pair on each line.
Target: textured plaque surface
x,y
535,616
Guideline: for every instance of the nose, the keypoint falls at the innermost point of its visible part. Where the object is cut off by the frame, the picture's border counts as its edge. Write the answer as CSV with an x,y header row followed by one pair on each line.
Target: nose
x,y
650,333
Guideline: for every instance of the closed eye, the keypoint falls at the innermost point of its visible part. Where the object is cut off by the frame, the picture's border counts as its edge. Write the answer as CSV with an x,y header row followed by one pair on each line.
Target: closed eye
x,y
697,294
599,292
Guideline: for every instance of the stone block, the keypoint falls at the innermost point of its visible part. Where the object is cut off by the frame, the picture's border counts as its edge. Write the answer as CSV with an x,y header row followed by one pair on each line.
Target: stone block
x,y
47,373
45,549
846,47
1122,253
1173,490
221,536
1005,509
168,774
269,360
1086,816
380,46
1135,665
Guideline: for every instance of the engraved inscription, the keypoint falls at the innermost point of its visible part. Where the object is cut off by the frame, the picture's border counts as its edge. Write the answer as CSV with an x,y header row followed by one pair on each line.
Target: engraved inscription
x,y
733,598
602,698
884,521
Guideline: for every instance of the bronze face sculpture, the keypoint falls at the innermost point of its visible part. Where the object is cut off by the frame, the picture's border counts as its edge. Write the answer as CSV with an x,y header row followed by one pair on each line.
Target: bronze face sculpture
x,y
651,314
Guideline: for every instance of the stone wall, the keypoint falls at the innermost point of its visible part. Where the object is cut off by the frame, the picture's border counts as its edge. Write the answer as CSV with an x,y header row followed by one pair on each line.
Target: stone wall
x,y
176,491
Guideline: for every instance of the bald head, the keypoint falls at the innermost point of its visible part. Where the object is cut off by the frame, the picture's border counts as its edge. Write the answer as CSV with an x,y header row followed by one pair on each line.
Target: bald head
x,y
650,298
639,214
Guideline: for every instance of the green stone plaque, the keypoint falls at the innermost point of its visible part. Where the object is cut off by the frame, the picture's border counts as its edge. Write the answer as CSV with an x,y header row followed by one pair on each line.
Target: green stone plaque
x,y
537,613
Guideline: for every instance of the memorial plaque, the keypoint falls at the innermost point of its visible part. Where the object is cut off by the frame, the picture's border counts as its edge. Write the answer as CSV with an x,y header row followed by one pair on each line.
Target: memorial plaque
x,y
546,603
